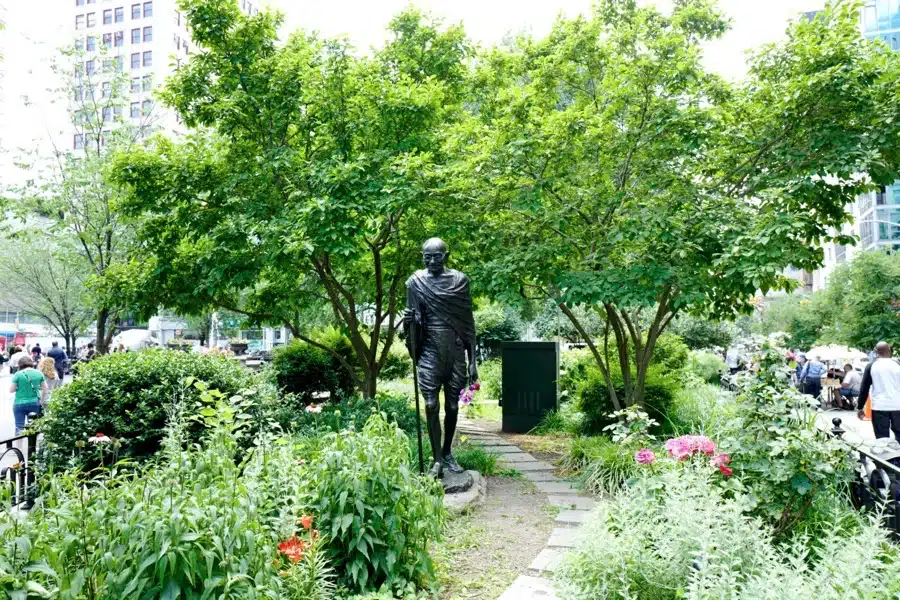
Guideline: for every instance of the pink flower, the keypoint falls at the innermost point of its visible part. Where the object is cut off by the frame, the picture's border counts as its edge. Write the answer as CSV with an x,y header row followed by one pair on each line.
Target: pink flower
x,y
644,456
679,448
475,386
707,446
720,459
726,471
466,396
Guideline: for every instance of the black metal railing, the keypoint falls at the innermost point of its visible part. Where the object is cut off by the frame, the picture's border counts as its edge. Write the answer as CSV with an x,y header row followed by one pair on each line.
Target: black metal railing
x,y
877,485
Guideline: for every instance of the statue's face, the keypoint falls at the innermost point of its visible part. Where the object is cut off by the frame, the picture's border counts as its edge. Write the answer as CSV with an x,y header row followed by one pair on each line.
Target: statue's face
x,y
434,256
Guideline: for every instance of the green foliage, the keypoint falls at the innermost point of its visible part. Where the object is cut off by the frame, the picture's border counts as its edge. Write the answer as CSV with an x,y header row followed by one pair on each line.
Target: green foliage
x,y
398,364
700,407
706,365
189,525
489,374
305,370
604,466
670,353
574,367
129,397
779,453
679,536
594,401
550,323
803,318
477,458
352,412
308,175
496,323
701,334
378,515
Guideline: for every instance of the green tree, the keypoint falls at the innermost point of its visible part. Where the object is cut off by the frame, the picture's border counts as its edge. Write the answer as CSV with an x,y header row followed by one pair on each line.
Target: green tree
x,y
496,323
604,167
805,318
864,298
700,333
71,191
310,179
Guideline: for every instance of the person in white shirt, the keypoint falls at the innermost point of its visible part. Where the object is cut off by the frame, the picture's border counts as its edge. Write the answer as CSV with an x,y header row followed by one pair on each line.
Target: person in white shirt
x,y
850,386
881,380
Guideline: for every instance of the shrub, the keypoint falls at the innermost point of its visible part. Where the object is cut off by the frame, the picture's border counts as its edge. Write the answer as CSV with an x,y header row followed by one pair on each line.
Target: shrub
x,y
706,365
378,515
565,420
305,370
490,373
474,457
678,536
699,333
593,398
128,396
398,364
574,367
604,466
353,412
702,408
496,323
780,454
188,525
670,354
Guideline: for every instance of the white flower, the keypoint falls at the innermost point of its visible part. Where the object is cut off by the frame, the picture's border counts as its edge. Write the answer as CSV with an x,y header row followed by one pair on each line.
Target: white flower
x,y
312,408
100,439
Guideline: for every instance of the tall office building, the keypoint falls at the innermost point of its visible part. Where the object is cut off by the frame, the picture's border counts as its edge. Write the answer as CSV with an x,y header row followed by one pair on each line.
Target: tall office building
x,y
146,39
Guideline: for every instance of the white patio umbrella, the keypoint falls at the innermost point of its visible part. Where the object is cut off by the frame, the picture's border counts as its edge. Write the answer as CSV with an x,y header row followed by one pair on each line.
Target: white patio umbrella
x,y
133,339
836,353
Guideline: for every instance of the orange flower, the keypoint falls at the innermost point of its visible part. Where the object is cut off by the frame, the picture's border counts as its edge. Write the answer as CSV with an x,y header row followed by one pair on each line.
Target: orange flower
x,y
306,521
293,548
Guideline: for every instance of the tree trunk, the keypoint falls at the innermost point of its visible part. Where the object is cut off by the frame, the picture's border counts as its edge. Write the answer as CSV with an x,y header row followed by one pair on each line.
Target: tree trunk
x,y
370,384
102,317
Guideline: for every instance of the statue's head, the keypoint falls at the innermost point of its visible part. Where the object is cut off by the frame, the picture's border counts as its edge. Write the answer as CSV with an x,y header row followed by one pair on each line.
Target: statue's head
x,y
434,255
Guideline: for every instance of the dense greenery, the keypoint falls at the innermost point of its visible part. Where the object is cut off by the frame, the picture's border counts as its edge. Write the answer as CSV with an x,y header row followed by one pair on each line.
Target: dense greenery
x,y
496,323
612,171
308,176
351,412
130,397
305,370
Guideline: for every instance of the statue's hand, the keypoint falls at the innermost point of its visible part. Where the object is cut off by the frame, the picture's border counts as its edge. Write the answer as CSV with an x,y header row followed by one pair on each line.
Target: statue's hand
x,y
473,371
408,316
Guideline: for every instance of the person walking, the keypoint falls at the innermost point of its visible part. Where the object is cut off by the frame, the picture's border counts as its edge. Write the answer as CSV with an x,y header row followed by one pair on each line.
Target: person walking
x,y
881,380
47,367
36,352
811,376
59,357
27,384
17,354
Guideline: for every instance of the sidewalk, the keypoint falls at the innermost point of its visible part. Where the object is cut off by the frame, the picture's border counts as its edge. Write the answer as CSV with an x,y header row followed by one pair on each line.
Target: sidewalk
x,y
857,431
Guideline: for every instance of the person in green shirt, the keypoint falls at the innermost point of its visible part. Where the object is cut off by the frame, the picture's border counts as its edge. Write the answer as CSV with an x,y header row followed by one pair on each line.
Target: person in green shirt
x,y
27,384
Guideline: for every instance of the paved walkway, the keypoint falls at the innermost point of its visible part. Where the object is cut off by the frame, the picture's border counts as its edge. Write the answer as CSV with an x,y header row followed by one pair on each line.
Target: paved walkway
x,y
534,583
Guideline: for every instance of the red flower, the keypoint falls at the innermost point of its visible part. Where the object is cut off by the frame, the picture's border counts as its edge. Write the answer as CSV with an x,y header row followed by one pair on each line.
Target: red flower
x,y
306,521
726,471
293,548
475,386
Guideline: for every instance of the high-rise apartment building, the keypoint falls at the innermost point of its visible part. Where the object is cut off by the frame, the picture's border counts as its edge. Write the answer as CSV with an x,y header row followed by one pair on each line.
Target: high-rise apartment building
x,y
146,40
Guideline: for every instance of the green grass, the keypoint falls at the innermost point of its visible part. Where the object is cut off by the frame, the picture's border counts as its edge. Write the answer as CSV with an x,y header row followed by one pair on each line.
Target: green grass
x,y
604,465
474,457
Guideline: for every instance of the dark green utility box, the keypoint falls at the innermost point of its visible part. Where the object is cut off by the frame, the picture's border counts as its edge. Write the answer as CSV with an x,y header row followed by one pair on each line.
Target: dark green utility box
x,y
529,378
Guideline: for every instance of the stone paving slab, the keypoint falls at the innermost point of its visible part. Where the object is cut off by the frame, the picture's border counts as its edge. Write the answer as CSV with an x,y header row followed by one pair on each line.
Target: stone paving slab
x,y
572,517
546,562
526,587
563,537
506,449
556,487
539,476
518,457
499,445
534,466
572,502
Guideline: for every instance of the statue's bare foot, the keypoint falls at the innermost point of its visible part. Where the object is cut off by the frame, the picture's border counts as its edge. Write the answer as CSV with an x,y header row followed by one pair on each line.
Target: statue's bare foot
x,y
436,470
451,465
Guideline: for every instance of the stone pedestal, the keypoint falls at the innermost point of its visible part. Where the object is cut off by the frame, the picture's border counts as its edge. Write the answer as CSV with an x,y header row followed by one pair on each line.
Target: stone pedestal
x,y
463,491
455,483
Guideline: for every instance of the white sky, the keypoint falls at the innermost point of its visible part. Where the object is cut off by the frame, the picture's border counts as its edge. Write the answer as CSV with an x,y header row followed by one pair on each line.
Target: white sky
x,y
754,22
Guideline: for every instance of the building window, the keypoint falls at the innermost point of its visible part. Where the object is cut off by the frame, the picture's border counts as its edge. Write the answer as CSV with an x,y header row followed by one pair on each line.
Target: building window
x,y
880,196
148,9
148,58
106,89
107,65
136,60
146,105
120,64
135,85
148,34
177,18
135,36
107,113
91,19
117,111
107,16
79,21
91,43
148,85
89,67
107,39
135,11
119,39
78,141
135,110
120,14
79,2
79,94
184,45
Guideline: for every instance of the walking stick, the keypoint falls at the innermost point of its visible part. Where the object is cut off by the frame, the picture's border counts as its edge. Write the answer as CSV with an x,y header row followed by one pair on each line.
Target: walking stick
x,y
412,346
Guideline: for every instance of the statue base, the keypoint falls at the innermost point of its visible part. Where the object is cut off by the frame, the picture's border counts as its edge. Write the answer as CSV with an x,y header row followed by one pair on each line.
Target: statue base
x,y
454,483
458,500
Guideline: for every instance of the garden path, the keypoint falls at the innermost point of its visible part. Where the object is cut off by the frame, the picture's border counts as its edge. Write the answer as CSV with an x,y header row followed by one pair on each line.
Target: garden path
x,y
534,583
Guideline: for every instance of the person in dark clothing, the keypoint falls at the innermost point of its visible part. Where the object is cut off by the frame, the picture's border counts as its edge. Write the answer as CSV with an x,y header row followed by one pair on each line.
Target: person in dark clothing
x,y
36,352
59,358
